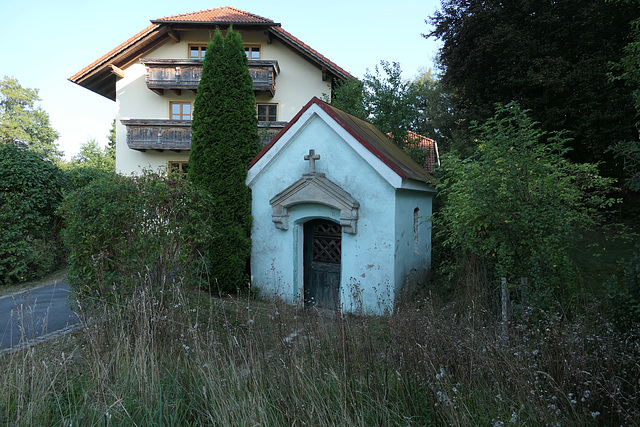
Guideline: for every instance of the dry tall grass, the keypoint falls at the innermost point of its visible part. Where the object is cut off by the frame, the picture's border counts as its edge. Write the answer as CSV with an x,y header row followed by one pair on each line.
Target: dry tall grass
x,y
168,357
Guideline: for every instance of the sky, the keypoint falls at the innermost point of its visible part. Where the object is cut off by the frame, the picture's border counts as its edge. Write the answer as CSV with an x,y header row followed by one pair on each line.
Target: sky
x,y
44,42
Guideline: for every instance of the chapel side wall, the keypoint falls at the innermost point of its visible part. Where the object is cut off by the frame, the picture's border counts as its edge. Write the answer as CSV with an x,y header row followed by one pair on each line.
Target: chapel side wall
x,y
413,239
299,81
367,278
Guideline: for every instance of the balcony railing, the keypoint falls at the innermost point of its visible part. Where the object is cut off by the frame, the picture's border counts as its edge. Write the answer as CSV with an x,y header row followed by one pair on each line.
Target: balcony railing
x,y
175,135
183,74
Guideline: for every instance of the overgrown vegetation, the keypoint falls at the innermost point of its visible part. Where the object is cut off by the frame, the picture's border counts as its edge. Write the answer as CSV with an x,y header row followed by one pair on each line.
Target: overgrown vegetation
x,y
517,204
166,356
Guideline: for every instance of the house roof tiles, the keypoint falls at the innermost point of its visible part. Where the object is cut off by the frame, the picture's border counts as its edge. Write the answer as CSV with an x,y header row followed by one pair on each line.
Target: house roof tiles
x,y
221,15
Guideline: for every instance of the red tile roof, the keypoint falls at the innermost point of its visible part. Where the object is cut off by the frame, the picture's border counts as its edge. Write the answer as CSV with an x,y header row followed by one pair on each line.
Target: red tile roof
x,y
366,134
222,15
432,159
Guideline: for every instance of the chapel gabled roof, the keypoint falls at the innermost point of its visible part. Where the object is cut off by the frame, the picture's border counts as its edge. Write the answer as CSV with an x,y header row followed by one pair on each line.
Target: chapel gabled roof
x,y
100,76
366,134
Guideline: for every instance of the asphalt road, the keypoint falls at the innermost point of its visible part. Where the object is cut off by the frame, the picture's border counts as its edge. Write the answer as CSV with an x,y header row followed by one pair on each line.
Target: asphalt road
x,y
33,313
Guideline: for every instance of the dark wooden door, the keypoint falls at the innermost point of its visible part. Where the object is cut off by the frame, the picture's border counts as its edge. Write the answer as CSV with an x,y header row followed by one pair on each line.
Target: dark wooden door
x,y
322,258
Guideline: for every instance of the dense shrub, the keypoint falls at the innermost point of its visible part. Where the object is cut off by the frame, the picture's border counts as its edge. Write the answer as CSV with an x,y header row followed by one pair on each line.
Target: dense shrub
x,y
30,192
120,230
78,176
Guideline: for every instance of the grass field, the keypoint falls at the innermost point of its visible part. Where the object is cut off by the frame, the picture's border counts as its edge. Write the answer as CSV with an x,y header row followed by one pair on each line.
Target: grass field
x,y
172,357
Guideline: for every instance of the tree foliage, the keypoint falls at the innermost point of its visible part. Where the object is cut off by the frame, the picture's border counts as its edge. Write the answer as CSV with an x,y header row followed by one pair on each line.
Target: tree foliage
x,y
225,139
552,57
93,156
516,202
384,100
30,192
25,124
434,115
91,163
397,106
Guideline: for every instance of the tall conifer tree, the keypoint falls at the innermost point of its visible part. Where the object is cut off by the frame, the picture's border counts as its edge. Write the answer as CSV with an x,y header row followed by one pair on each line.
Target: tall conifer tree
x,y
224,140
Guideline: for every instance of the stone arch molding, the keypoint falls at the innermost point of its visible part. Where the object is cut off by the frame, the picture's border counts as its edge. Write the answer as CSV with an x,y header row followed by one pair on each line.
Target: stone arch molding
x,y
315,188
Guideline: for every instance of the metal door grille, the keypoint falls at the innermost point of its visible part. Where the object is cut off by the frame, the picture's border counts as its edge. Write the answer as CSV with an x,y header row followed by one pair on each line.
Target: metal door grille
x,y
326,243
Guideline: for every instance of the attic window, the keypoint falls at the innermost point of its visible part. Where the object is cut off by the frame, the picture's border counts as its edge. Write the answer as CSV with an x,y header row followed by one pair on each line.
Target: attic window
x,y
197,51
252,52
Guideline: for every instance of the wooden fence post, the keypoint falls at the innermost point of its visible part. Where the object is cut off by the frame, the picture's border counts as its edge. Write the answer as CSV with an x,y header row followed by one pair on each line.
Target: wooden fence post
x,y
505,309
524,291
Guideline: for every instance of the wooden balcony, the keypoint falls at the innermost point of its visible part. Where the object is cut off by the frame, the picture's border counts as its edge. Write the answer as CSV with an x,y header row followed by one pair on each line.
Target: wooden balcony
x,y
177,75
175,135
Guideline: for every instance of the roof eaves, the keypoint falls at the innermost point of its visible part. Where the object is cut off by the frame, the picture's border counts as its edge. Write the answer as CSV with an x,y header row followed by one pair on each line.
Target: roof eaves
x,y
340,72
106,58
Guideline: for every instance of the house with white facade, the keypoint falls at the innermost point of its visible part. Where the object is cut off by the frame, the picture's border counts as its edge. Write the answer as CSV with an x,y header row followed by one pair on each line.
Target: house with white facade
x,y
153,78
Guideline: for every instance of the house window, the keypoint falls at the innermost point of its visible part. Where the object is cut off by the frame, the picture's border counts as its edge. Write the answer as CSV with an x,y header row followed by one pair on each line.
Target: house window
x,y
267,112
197,51
252,52
179,169
180,110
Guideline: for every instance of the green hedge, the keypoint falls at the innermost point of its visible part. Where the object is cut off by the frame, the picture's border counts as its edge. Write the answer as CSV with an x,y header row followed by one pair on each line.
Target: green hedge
x,y
30,192
125,231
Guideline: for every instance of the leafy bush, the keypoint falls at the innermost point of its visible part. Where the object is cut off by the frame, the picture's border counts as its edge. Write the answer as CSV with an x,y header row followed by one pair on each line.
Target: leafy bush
x,y
516,202
30,192
122,229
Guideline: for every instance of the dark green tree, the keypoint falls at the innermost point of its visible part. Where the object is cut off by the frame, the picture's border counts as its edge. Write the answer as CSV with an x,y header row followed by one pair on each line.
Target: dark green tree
x,y
628,71
30,192
92,162
224,140
552,57
25,124
348,95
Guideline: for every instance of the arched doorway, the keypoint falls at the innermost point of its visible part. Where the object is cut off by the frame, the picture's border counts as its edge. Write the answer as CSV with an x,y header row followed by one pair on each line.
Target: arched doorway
x,y
322,264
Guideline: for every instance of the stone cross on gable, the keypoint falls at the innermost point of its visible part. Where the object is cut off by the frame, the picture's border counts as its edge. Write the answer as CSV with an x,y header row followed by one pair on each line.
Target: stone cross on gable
x,y
312,157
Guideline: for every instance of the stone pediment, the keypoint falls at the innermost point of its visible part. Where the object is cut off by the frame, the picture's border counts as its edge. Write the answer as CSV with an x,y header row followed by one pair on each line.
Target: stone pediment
x,y
315,188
